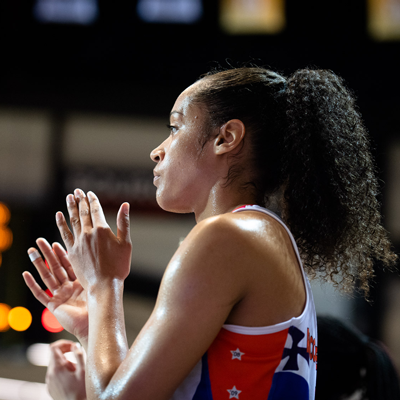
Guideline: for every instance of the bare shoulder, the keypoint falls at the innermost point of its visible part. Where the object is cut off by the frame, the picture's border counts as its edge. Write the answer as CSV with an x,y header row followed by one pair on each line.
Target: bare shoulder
x,y
210,262
237,226
241,230
228,242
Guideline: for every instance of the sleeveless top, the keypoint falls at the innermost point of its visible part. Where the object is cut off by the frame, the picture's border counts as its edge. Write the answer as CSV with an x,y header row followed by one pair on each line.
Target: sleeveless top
x,y
259,363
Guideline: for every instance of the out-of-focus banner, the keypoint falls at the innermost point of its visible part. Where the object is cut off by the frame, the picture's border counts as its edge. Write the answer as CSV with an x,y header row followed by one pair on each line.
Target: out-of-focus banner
x,y
384,19
252,16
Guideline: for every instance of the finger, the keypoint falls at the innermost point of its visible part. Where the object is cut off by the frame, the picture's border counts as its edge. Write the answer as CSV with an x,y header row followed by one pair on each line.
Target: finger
x,y
53,260
79,356
36,290
84,210
73,212
47,276
67,236
60,360
123,223
96,211
64,345
63,257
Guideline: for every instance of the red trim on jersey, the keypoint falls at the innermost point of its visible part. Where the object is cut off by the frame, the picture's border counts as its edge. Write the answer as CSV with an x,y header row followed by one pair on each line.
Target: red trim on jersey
x,y
246,205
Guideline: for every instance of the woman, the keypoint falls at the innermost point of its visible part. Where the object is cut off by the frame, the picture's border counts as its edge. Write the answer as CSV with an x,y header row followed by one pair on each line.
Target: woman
x,y
234,317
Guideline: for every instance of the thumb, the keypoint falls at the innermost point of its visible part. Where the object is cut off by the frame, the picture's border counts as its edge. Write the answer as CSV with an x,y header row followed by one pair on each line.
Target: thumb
x,y
123,223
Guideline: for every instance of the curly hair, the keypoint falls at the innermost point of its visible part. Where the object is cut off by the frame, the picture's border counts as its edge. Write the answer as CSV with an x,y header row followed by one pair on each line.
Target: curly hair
x,y
307,142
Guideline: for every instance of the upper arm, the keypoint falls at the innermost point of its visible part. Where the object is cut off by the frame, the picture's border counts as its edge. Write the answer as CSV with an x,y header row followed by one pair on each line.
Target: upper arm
x,y
202,283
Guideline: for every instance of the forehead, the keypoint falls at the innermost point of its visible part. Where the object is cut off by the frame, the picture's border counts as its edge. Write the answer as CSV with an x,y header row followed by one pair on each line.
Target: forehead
x,y
184,102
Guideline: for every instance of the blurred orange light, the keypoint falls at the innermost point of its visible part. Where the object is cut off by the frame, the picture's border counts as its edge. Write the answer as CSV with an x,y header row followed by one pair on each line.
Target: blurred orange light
x,y
20,318
252,16
4,214
4,310
49,322
6,238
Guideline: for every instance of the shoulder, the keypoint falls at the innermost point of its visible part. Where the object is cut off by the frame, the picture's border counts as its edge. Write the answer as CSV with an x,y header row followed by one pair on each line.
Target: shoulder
x,y
240,230
210,262
227,245
237,226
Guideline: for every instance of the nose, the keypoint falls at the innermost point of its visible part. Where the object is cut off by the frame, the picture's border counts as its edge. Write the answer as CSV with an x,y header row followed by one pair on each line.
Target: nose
x,y
157,154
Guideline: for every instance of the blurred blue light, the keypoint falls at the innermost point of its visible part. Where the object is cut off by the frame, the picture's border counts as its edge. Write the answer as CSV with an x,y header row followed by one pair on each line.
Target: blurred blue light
x,y
83,12
170,11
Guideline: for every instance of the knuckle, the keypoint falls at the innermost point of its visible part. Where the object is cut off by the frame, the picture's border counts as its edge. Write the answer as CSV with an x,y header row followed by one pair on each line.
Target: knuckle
x,y
102,230
67,236
86,236
75,221
55,266
46,274
95,210
84,212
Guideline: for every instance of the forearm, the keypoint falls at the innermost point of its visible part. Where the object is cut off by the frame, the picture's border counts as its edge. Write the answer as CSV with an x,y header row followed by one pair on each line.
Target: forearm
x,y
107,344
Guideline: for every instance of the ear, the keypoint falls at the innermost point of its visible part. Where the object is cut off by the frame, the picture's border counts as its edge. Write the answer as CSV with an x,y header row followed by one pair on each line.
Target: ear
x,y
230,136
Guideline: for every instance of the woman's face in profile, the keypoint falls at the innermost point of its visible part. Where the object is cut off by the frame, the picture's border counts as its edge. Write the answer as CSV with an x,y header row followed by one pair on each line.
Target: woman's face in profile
x,y
182,174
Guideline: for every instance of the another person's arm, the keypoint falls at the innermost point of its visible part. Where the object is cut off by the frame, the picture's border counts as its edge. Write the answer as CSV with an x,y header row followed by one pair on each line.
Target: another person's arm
x,y
65,379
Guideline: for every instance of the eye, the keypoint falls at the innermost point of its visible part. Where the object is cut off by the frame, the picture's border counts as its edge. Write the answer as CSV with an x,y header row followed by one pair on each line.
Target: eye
x,y
172,128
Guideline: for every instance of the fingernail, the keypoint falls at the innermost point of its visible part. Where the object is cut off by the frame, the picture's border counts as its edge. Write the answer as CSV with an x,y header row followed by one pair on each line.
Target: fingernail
x,y
77,193
70,199
59,216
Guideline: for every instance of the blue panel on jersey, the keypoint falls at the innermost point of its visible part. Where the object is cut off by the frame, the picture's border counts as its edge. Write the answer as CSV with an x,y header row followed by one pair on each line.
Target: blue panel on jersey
x,y
288,386
203,391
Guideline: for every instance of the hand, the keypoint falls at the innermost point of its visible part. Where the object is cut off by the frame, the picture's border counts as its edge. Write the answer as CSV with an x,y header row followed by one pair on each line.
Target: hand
x,y
96,254
66,380
68,303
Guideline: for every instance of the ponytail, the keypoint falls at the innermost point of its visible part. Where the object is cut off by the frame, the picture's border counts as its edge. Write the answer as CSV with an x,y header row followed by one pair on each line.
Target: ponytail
x,y
308,142
330,186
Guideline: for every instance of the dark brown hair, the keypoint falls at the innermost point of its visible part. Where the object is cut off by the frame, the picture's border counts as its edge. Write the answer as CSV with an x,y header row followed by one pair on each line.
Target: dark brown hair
x,y
308,141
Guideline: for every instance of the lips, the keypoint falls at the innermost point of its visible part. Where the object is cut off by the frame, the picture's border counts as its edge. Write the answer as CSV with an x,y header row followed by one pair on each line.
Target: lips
x,y
156,177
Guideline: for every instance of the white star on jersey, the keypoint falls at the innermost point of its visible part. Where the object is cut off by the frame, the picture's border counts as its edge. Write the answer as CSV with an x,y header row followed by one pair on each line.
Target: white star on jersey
x,y
234,393
237,354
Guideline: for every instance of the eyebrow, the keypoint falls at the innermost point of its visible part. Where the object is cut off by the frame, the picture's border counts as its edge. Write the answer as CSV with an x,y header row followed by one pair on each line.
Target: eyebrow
x,y
175,112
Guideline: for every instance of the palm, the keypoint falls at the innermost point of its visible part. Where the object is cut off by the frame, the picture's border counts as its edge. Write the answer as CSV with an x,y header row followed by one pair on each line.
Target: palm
x,y
68,305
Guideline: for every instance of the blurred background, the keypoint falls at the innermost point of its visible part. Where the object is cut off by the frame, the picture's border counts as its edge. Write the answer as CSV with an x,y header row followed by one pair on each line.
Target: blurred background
x,y
86,87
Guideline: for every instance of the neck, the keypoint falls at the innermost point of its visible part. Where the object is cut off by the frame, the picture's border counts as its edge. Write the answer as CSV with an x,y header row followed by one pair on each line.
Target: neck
x,y
222,200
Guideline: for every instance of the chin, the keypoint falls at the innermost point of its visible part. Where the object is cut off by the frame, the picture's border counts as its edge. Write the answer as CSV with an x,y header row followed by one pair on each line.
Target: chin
x,y
173,205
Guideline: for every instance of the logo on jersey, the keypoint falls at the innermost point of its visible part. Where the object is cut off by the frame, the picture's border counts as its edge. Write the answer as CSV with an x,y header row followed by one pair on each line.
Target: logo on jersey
x,y
312,348
292,364
237,354
234,393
